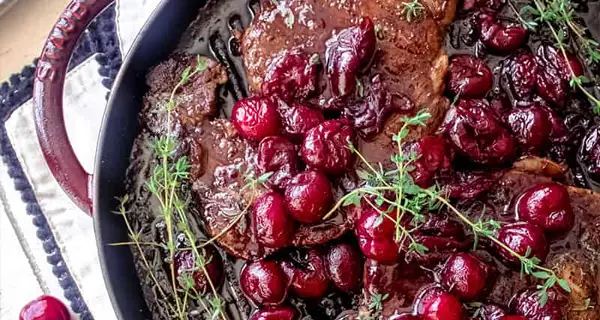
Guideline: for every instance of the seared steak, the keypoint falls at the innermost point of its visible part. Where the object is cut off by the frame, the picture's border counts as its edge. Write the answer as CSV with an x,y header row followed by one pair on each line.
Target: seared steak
x,y
220,160
195,99
410,55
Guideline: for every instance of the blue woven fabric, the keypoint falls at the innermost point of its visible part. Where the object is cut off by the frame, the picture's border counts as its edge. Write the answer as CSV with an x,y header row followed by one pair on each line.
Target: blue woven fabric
x,y
100,38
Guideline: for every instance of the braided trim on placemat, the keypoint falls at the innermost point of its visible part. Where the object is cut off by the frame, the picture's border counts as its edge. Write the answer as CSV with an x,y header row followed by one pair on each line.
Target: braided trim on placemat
x,y
100,38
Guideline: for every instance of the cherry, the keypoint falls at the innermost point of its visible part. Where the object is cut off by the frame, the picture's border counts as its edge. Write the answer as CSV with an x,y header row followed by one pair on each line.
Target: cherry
x,y
531,127
474,131
527,303
276,313
469,77
368,115
520,71
292,75
307,274
344,264
559,132
274,227
436,304
512,317
435,156
491,312
309,197
375,226
524,238
45,308
264,282
589,153
469,184
555,73
383,251
465,276
500,36
347,53
278,156
185,263
326,147
256,118
548,205
440,234
298,119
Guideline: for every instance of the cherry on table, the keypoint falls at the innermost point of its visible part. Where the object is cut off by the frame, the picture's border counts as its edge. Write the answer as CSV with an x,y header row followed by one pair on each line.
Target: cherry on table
x,y
524,238
45,308
468,77
185,263
276,313
278,156
309,196
344,264
326,147
465,276
436,304
292,75
273,225
307,274
264,282
256,118
548,205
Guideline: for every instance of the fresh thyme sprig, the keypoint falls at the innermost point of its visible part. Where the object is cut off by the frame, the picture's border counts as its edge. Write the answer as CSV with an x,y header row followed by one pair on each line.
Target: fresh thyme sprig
x,y
375,306
377,182
412,10
165,184
413,200
559,17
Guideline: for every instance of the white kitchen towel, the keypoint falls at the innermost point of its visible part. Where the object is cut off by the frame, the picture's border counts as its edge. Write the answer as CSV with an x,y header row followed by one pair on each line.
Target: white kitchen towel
x,y
67,253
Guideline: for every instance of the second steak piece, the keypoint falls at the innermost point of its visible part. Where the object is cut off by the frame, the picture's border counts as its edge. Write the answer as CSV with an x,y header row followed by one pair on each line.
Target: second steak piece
x,y
410,55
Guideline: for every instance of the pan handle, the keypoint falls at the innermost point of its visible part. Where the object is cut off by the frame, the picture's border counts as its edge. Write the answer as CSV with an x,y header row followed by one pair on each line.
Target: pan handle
x,y
48,99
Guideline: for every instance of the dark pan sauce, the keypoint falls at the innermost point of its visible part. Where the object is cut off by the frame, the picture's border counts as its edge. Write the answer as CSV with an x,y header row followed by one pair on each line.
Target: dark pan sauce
x,y
212,35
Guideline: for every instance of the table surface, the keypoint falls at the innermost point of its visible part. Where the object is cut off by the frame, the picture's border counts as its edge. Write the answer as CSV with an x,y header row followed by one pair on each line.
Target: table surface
x,y
23,29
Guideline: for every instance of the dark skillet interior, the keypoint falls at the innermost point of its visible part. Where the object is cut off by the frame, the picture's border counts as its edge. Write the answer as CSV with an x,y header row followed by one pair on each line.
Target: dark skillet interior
x,y
164,33
194,27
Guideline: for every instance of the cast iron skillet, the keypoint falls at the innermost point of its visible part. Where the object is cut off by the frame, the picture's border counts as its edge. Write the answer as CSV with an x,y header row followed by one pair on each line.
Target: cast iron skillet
x,y
97,193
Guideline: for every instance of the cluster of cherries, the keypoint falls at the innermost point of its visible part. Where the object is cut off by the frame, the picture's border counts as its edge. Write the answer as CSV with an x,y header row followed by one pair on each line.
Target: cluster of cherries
x,y
542,210
291,135
297,146
306,273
